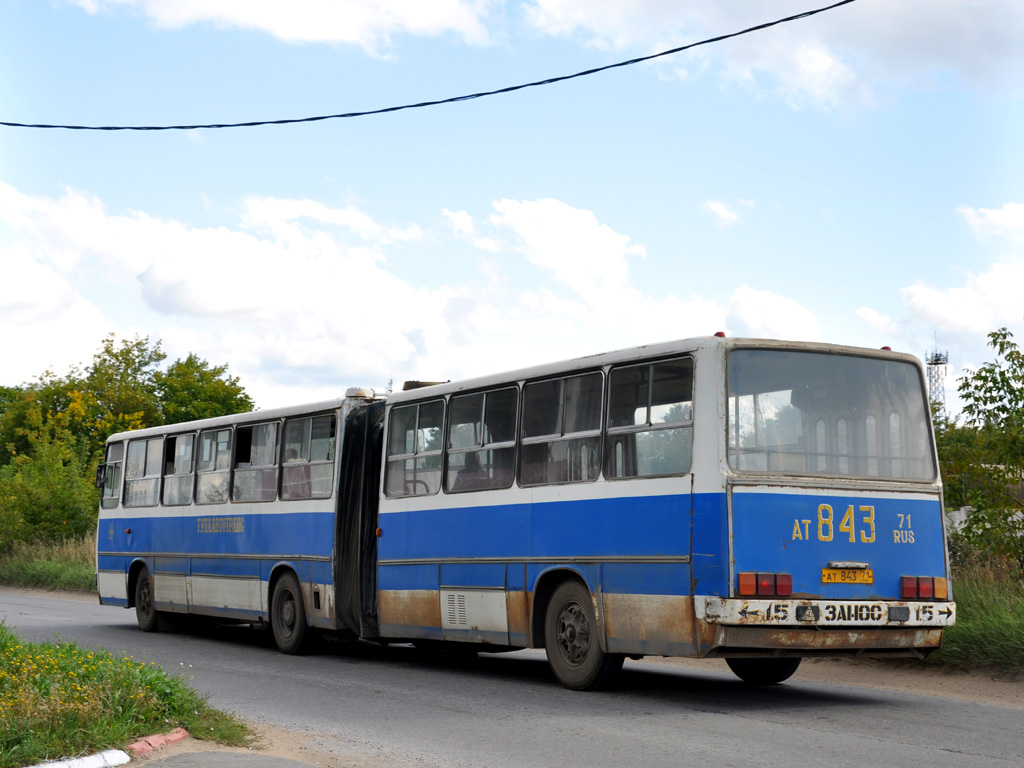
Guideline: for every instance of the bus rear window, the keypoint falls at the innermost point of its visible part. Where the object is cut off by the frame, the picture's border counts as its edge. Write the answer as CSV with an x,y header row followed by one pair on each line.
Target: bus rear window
x,y
812,413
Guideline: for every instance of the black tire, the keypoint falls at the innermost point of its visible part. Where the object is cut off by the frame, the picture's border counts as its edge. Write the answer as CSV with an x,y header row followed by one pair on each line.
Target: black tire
x,y
288,616
145,607
572,640
763,671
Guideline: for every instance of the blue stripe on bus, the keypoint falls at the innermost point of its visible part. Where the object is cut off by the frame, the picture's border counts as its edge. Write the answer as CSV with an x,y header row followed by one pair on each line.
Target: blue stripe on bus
x,y
298,534
618,527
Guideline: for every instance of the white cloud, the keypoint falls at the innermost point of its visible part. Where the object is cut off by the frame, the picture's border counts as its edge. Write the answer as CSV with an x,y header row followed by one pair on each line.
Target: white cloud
x,y
303,299
984,302
724,214
1007,221
836,58
881,323
571,245
369,24
763,314
463,226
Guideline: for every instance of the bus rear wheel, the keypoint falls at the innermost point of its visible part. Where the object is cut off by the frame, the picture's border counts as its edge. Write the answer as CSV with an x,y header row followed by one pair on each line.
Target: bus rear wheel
x,y
572,640
145,607
763,671
288,616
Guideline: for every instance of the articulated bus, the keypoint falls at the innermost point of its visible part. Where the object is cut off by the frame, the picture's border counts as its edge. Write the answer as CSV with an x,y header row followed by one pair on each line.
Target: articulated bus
x,y
753,500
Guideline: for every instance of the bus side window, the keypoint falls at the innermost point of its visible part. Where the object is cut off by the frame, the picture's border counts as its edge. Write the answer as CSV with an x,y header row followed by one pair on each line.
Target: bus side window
x,y
178,477
481,440
650,419
213,467
308,464
112,476
255,463
142,473
561,431
415,436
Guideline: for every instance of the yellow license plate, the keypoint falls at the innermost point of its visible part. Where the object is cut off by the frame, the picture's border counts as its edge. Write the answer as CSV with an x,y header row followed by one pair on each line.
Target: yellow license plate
x,y
847,576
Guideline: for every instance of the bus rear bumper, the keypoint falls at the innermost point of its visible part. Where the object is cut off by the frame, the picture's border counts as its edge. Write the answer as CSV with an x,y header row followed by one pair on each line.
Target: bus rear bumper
x,y
738,627
825,614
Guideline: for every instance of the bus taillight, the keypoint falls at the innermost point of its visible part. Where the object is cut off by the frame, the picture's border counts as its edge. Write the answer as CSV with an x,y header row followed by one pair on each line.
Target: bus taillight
x,y
923,588
765,584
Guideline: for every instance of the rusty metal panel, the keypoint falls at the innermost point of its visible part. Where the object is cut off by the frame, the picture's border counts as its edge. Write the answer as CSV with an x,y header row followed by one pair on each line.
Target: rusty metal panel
x,y
809,642
518,610
649,624
410,613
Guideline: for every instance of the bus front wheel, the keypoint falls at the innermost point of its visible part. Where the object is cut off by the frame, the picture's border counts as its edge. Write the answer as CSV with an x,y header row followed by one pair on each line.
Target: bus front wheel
x,y
572,640
145,607
288,615
763,671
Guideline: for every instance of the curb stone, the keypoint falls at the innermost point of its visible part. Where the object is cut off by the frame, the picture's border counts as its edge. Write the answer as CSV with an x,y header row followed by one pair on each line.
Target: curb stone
x,y
157,741
114,757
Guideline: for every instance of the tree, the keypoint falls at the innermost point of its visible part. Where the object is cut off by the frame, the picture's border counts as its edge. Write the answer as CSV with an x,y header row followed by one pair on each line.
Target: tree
x,y
53,430
193,389
983,458
122,378
47,491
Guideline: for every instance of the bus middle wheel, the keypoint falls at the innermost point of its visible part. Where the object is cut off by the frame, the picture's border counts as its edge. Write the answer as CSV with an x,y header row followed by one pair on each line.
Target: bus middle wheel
x,y
288,616
572,640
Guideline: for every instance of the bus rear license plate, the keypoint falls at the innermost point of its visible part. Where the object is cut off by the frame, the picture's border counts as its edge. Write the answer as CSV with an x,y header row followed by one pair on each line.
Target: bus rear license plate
x,y
847,576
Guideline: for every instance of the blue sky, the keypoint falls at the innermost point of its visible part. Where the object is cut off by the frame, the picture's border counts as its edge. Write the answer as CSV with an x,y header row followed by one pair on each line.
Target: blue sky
x,y
856,177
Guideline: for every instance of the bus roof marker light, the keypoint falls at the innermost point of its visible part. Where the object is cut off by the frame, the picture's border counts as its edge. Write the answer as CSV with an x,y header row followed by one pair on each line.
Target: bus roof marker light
x,y
720,334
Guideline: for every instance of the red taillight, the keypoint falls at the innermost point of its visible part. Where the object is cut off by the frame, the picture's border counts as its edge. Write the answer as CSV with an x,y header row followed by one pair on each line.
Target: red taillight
x,y
924,588
765,584
784,584
908,587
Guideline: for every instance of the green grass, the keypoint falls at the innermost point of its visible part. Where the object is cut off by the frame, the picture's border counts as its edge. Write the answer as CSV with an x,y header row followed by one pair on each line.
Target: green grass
x,y
989,630
68,565
58,700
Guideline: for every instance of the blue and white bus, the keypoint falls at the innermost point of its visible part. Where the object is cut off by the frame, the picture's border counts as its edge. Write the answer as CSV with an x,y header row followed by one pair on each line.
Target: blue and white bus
x,y
759,501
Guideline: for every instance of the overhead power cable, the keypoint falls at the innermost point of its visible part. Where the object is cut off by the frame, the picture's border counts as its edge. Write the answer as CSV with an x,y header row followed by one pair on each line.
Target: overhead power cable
x,y
437,102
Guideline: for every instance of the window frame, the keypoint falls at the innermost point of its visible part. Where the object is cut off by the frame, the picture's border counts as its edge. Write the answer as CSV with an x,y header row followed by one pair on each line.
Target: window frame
x,y
648,427
416,454
482,444
304,460
147,477
175,474
525,443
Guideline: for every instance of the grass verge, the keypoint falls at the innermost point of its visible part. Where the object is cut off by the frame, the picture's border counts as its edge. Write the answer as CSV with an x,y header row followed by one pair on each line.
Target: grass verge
x,y
58,700
67,565
989,630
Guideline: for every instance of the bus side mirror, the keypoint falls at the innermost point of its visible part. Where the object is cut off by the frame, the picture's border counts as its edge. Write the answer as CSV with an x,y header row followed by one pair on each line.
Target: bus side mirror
x,y
100,475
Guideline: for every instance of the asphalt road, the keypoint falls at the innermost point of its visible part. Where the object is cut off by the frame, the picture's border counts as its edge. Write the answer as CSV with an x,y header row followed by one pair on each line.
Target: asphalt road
x,y
506,710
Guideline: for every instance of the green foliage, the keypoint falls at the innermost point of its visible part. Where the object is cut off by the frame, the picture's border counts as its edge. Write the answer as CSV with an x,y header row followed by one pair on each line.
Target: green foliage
x,y
193,389
67,565
52,431
59,700
989,629
46,492
982,459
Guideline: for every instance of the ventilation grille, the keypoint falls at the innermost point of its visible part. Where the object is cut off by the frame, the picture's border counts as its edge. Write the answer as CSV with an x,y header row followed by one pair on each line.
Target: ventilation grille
x,y
456,610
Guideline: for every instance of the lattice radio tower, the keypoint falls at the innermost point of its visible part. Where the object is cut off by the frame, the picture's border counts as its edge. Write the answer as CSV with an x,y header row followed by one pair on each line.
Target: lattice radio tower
x,y
936,362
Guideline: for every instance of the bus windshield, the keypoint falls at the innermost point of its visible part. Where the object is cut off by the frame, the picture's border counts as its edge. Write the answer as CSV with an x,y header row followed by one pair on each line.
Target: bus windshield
x,y
813,413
